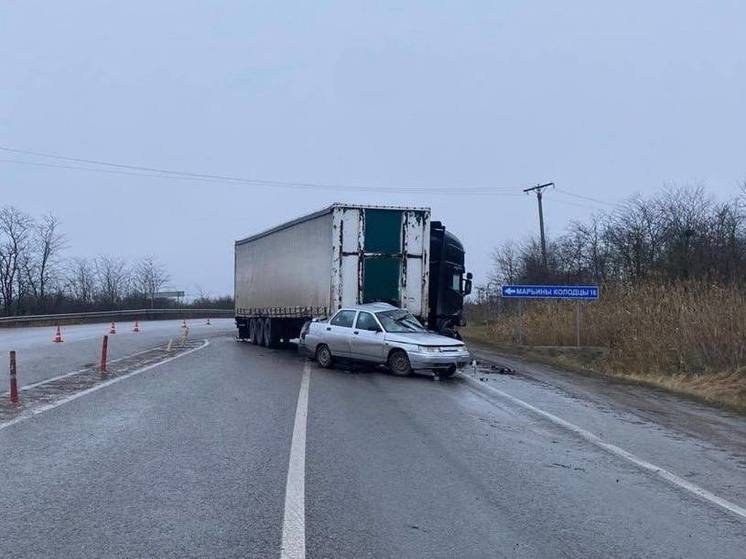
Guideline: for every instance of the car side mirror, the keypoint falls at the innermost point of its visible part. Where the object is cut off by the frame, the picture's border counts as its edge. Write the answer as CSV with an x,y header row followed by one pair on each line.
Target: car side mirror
x,y
467,283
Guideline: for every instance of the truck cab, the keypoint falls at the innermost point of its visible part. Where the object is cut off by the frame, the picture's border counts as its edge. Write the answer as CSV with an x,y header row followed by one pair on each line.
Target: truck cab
x,y
449,282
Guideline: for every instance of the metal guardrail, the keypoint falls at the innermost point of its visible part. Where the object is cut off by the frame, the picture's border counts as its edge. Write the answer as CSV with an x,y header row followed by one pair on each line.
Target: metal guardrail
x,y
139,314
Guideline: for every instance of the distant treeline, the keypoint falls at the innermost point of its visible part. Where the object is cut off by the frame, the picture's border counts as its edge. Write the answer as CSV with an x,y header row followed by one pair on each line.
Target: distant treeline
x,y
677,234
37,278
672,311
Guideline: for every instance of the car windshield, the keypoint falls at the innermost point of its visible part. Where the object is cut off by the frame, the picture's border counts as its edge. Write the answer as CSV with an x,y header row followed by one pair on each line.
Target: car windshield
x,y
400,321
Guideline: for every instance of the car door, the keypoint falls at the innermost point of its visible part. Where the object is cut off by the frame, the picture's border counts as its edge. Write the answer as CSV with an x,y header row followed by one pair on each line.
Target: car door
x,y
339,331
366,342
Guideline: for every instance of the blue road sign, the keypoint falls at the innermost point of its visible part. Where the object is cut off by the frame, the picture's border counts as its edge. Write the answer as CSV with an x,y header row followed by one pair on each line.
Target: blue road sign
x,y
550,291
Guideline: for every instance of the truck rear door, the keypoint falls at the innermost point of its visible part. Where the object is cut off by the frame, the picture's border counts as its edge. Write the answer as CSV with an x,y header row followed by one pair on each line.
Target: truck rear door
x,y
383,256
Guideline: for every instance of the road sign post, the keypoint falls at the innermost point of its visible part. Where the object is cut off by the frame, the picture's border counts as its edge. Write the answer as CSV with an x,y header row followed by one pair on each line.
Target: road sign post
x,y
520,322
577,293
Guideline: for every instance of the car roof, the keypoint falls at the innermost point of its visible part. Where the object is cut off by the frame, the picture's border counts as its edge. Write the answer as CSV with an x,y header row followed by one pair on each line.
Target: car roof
x,y
370,307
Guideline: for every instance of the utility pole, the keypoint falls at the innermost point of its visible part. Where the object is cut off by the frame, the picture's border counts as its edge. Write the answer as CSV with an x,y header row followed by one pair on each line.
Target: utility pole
x,y
538,189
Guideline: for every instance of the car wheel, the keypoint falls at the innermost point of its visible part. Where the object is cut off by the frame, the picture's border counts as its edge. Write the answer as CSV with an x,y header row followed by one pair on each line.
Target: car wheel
x,y
399,363
324,356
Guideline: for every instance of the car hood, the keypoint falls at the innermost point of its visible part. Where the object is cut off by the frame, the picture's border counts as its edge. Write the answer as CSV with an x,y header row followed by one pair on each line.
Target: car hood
x,y
423,338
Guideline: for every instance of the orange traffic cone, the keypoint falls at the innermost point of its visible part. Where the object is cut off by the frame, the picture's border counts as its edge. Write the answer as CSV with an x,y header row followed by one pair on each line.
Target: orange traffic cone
x,y
113,329
136,327
208,322
57,336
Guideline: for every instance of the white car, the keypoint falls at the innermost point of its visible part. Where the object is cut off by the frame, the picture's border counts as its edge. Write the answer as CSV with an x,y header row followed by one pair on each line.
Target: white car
x,y
380,333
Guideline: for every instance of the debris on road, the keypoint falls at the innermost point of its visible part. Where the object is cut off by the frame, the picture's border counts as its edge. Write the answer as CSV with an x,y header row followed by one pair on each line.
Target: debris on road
x,y
480,370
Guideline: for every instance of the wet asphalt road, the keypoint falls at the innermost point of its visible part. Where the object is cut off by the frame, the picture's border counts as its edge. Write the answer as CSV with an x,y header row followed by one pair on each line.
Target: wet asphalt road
x,y
190,459
39,358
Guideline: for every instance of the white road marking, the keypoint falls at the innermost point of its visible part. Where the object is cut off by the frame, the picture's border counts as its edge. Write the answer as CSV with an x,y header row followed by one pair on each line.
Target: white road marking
x,y
615,450
58,403
294,521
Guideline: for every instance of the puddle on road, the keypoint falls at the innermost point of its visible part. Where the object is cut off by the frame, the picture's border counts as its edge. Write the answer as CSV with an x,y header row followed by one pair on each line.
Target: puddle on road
x,y
40,395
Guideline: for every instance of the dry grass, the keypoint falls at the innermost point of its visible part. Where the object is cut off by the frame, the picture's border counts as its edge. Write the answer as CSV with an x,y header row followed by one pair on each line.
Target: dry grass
x,y
689,337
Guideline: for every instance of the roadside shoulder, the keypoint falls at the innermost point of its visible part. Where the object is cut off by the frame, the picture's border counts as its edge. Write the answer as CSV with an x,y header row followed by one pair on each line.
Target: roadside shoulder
x,y
679,413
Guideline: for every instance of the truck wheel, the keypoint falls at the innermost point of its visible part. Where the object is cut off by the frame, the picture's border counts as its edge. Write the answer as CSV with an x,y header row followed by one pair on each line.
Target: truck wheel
x,y
252,327
243,332
256,339
324,356
267,341
399,363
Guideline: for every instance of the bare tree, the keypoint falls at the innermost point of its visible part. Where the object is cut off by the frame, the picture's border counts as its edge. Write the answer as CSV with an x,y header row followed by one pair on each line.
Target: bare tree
x,y
15,228
41,263
506,263
679,233
113,279
81,281
35,278
148,278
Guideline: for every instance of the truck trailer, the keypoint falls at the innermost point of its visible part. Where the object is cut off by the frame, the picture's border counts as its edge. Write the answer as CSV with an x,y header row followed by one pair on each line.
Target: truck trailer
x,y
345,255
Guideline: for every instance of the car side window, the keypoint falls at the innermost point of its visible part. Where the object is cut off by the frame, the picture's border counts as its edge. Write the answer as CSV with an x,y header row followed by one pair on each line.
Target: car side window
x,y
344,319
366,321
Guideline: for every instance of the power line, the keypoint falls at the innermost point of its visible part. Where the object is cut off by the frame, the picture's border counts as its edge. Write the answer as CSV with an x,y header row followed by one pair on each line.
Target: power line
x,y
297,186
581,197
144,171
575,204
95,170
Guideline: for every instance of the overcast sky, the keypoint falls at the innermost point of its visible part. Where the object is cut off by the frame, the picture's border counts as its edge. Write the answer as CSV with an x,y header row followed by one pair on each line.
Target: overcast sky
x,y
606,99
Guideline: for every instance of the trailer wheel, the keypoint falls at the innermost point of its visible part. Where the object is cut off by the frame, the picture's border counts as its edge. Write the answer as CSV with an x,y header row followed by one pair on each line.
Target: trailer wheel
x,y
258,334
243,331
398,363
268,340
324,356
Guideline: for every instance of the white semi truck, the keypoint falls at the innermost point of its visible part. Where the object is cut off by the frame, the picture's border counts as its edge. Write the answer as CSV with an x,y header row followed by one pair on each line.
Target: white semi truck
x,y
345,255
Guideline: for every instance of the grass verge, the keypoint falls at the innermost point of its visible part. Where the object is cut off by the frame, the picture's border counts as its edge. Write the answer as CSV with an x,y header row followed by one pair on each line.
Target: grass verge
x,y
726,390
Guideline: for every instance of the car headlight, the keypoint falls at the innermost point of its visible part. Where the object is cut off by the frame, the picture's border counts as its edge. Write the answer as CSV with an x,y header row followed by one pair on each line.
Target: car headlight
x,y
429,349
